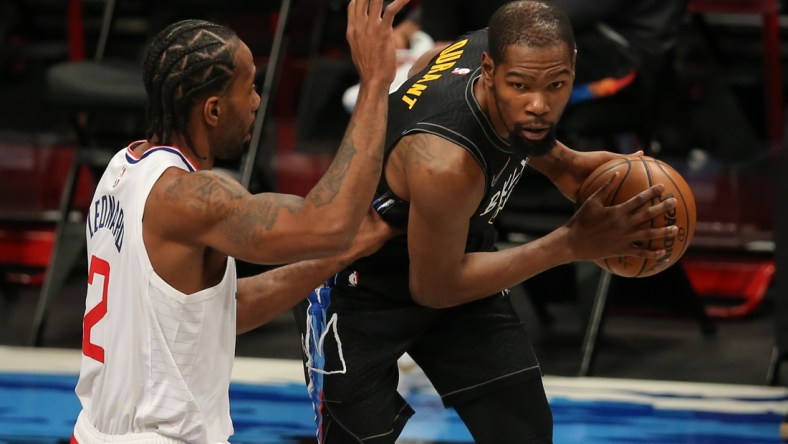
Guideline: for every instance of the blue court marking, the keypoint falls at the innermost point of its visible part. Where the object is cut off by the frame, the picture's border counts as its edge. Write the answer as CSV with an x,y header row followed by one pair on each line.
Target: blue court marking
x,y
613,422
38,408
41,408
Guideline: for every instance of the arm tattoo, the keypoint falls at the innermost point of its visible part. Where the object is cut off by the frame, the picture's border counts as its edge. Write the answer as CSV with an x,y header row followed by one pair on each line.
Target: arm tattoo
x,y
265,214
216,198
211,196
266,209
259,212
206,194
417,149
328,186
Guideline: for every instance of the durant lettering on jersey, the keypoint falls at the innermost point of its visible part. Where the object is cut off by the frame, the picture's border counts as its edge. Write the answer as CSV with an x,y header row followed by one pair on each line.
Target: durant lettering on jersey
x,y
106,212
446,60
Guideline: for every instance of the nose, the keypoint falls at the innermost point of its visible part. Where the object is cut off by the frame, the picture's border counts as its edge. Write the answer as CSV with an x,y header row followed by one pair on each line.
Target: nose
x,y
537,104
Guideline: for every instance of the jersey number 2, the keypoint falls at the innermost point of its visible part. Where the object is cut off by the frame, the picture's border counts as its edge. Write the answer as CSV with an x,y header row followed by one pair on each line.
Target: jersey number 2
x,y
89,349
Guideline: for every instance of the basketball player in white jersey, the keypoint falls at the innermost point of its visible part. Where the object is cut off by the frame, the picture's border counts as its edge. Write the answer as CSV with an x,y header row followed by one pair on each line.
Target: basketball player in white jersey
x,y
163,304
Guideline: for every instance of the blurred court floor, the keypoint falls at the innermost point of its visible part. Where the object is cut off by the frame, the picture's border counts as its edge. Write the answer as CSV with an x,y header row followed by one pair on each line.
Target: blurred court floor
x,y
269,405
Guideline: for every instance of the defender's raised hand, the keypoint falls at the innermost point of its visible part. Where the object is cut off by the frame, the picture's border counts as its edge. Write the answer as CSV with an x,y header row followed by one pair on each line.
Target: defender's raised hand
x,y
370,34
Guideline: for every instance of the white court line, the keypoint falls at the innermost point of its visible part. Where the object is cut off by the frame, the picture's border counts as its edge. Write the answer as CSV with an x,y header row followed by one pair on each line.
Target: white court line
x,y
661,394
39,360
67,361
671,395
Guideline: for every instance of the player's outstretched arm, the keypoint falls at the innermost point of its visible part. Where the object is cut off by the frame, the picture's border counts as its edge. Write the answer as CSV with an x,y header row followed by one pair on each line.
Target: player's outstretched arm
x,y
351,179
265,296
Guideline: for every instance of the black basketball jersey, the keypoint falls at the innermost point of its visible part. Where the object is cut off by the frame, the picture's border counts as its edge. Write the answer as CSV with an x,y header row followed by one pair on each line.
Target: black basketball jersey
x,y
439,100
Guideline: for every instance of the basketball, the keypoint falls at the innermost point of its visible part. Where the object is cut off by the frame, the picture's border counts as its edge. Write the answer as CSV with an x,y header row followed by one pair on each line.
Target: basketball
x,y
635,175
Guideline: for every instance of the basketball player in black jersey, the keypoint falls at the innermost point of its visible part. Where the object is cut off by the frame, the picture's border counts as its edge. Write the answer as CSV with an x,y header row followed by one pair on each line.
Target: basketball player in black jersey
x,y
461,132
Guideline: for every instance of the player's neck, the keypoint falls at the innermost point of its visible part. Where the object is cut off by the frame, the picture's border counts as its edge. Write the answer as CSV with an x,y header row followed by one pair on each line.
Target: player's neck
x,y
202,162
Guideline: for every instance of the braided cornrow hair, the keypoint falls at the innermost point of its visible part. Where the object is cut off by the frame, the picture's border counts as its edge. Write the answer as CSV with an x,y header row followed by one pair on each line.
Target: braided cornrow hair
x,y
184,62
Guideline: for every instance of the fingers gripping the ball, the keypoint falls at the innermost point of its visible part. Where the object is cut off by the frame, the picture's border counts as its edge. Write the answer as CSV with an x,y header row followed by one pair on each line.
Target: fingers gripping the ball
x,y
640,248
650,210
640,200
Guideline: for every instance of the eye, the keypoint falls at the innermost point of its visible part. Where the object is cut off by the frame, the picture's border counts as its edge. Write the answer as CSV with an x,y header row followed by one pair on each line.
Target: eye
x,y
557,85
518,85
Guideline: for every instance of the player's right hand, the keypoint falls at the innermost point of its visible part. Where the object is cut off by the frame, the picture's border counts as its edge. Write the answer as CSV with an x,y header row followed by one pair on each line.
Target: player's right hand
x,y
371,37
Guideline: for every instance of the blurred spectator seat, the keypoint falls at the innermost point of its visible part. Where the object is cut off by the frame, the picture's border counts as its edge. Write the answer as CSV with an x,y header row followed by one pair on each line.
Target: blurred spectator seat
x,y
773,86
753,274
86,89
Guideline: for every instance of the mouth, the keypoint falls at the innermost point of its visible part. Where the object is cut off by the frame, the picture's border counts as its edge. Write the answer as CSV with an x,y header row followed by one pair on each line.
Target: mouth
x,y
534,133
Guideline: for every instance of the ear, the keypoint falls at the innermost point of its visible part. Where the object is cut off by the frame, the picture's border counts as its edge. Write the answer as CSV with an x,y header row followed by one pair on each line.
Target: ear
x,y
574,60
211,110
488,70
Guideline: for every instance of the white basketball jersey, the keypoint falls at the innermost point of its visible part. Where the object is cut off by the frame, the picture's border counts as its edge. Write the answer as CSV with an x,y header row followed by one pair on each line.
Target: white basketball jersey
x,y
154,360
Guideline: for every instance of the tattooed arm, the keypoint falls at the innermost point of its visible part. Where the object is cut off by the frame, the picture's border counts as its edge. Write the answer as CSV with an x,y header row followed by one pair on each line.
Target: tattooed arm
x,y
213,210
210,209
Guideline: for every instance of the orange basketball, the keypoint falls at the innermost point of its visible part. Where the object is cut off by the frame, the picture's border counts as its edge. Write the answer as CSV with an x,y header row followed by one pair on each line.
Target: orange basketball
x,y
636,174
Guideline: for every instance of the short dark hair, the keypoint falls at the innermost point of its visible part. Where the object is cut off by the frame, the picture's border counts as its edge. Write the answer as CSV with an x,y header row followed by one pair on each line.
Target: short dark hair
x,y
532,23
185,61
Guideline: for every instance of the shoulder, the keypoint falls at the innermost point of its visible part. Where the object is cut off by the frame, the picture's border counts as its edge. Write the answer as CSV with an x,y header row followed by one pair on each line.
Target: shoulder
x,y
439,161
184,182
424,60
442,177
199,194
476,39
